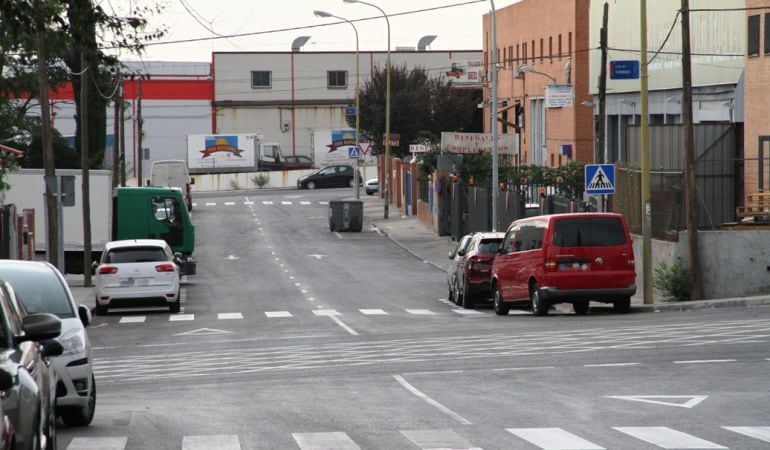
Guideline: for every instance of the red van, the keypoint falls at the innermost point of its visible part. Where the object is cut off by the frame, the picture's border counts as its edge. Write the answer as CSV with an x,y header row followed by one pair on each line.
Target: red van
x,y
565,258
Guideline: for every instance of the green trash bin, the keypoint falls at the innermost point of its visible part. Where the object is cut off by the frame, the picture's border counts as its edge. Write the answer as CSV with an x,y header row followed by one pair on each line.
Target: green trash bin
x,y
346,215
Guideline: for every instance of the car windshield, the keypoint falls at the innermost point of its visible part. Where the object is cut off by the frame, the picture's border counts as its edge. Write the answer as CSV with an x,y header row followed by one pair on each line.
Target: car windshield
x,y
135,255
490,245
39,290
589,232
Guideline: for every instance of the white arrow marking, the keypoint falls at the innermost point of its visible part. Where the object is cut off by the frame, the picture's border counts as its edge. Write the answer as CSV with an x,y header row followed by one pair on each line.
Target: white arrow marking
x,y
232,257
316,256
693,399
202,332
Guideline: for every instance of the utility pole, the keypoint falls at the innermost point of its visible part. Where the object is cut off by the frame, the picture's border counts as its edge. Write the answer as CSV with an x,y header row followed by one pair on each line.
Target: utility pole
x,y
121,97
691,205
52,236
140,159
85,163
116,132
645,157
600,131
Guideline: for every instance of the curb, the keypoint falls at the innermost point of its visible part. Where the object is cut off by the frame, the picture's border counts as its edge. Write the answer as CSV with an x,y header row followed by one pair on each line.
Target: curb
x,y
407,249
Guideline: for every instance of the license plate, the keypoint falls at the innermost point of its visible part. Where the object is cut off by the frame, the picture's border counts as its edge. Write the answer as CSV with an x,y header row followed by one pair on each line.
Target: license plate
x,y
573,266
127,282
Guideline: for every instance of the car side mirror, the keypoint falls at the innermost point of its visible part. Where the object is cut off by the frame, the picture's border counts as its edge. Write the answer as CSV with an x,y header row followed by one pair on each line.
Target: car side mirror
x,y
39,327
461,252
51,348
85,315
502,251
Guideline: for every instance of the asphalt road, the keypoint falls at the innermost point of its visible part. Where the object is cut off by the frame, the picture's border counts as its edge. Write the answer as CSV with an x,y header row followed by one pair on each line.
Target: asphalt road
x,y
292,336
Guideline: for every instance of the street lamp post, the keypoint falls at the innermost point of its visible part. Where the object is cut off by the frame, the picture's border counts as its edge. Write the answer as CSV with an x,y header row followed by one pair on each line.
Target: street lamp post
x,y
386,184
358,113
493,121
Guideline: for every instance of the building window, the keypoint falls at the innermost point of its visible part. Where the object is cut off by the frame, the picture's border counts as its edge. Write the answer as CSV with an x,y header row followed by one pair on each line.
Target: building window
x,y
560,47
569,44
517,53
753,47
550,48
261,79
505,56
542,50
534,52
767,33
525,52
510,55
337,78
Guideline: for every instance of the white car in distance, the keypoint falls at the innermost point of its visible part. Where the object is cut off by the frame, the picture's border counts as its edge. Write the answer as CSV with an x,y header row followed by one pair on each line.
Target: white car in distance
x,y
137,272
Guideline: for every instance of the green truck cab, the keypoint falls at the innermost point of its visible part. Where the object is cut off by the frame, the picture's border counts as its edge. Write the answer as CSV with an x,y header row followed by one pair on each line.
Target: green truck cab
x,y
156,213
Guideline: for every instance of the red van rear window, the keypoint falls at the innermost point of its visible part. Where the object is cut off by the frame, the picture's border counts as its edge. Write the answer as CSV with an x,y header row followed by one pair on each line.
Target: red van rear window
x,y
589,232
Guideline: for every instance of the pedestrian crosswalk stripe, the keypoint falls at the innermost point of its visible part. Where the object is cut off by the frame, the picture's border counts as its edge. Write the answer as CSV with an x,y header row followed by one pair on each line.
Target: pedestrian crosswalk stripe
x,y
285,203
436,439
468,312
373,312
248,203
211,204
194,205
326,312
665,437
304,203
98,443
278,314
317,441
230,316
761,433
323,203
267,202
181,317
211,442
553,439
420,312
132,319
229,203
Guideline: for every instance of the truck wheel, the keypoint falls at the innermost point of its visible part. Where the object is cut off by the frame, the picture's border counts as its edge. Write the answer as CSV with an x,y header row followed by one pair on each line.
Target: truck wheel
x,y
311,185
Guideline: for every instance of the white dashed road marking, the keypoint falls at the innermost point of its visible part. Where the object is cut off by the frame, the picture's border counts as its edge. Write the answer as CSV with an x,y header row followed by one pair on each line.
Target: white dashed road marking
x,y
278,314
132,319
180,317
373,312
420,312
230,316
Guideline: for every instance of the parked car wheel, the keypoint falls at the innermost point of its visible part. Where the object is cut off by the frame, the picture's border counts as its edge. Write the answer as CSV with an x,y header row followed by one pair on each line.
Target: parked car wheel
x,y
539,306
467,297
73,416
622,306
581,308
177,305
451,294
311,185
101,310
501,309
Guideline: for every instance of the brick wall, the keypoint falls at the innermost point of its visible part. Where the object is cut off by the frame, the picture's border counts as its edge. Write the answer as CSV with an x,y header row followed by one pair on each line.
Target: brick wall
x,y
757,97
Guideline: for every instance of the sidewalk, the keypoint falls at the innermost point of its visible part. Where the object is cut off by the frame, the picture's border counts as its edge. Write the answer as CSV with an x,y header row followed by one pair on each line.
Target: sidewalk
x,y
424,243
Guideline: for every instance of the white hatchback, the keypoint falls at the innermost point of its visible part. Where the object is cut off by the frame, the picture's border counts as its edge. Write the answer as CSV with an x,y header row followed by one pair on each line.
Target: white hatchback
x,y
137,272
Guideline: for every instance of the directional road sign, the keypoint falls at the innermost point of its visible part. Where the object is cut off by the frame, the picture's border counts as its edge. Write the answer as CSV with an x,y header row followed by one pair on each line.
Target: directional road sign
x,y
600,179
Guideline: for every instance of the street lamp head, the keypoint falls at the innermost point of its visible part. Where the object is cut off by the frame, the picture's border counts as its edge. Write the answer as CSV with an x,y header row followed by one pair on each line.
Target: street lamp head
x,y
322,14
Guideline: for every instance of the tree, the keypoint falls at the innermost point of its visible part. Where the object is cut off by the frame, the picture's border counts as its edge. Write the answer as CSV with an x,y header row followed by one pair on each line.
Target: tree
x,y
421,108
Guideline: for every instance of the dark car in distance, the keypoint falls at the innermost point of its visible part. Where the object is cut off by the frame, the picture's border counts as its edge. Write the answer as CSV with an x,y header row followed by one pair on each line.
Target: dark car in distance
x,y
471,272
297,162
340,175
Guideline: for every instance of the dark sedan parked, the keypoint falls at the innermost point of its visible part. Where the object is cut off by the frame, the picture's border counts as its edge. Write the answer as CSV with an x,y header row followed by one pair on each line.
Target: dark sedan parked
x,y
330,176
27,378
471,273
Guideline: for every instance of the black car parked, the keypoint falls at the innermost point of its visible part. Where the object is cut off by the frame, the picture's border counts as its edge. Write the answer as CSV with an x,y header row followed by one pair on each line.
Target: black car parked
x,y
27,378
330,176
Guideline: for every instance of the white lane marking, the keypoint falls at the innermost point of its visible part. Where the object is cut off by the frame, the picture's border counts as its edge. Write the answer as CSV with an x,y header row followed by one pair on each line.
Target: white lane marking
x,y
317,441
338,235
761,433
430,401
132,319
612,365
180,317
203,332
284,202
693,400
304,203
232,257
523,368
230,316
194,205
665,437
323,203
343,325
267,202
436,439
211,442
704,361
468,312
211,204
98,443
248,203
326,312
553,439
229,203
373,312
278,314
420,312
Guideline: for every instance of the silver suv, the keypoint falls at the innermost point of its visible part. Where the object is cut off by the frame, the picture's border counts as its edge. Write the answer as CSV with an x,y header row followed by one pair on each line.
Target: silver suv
x,y
42,289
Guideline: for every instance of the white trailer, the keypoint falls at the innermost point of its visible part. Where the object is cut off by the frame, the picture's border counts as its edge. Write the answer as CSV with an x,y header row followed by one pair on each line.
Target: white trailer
x,y
237,152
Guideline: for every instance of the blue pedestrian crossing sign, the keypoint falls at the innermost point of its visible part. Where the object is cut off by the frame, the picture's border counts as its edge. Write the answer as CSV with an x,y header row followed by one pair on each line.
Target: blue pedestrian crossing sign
x,y
600,179
354,153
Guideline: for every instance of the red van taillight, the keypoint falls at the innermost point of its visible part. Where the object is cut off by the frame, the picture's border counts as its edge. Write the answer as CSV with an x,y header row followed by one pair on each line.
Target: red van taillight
x,y
108,270
164,268
550,266
631,263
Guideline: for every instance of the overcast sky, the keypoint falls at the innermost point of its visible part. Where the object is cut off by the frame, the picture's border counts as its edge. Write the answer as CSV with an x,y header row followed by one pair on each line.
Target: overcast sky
x,y
457,27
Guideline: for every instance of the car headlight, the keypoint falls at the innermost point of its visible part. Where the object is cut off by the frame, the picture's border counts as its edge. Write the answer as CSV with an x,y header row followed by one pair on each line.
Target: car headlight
x,y
74,342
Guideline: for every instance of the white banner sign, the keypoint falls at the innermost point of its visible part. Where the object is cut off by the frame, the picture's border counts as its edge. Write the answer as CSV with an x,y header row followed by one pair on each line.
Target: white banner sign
x,y
477,142
418,148
558,95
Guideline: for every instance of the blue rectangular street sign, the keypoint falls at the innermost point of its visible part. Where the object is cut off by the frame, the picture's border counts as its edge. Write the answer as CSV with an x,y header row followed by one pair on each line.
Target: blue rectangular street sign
x,y
624,70
350,111
599,179
354,153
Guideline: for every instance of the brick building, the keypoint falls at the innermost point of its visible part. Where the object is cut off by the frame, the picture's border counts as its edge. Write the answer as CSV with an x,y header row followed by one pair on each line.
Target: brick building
x,y
757,96
544,68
